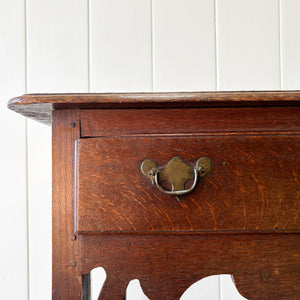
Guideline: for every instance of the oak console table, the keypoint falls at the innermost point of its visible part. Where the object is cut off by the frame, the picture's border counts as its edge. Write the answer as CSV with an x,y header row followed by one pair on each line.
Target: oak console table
x,y
170,188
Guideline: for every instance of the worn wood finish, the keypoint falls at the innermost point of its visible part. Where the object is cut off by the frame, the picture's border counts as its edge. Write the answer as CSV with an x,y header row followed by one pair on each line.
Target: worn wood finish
x,y
243,219
264,266
40,106
66,279
253,184
119,122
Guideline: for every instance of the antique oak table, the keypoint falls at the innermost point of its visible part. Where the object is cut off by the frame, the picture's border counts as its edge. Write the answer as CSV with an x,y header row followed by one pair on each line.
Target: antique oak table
x,y
169,188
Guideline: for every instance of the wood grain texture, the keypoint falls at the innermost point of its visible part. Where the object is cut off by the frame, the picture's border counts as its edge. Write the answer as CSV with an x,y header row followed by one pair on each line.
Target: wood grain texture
x,y
121,122
253,186
160,263
66,281
40,106
242,219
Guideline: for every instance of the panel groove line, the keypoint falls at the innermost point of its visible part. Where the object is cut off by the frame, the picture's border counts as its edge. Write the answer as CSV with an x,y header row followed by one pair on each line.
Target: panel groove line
x,y
280,43
216,47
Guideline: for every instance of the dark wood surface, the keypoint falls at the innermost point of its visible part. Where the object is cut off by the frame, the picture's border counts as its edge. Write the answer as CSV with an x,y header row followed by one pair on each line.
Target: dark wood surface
x,y
66,278
243,219
40,106
122,122
264,266
253,185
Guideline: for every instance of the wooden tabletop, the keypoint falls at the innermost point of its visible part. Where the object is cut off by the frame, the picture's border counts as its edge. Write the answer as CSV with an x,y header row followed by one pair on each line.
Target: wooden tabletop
x,y
40,106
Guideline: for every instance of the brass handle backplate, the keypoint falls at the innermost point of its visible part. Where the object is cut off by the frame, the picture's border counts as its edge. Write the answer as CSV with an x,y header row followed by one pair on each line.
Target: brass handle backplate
x,y
177,172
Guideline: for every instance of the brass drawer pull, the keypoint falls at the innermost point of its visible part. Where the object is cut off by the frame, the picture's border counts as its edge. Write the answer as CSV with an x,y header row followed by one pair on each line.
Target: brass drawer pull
x,y
177,172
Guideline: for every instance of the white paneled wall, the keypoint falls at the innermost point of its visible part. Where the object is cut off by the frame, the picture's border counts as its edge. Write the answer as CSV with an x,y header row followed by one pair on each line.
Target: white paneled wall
x,y
119,45
290,44
183,45
248,44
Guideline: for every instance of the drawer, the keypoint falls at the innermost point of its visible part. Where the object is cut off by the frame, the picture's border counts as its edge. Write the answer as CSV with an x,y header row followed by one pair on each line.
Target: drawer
x,y
253,184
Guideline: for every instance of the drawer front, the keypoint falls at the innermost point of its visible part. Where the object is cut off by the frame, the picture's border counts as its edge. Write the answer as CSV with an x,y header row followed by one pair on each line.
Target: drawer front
x,y
254,184
124,122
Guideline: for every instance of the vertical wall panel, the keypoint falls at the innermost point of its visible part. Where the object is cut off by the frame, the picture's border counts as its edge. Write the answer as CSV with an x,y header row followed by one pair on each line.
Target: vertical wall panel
x,y
248,44
184,45
57,62
13,220
120,45
57,45
290,44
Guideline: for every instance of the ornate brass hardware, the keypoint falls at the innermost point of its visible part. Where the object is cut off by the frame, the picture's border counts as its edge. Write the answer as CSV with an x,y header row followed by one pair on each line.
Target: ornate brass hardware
x,y
177,172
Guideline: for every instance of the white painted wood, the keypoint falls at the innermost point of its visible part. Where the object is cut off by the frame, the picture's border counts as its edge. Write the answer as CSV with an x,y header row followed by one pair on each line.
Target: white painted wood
x,y
120,45
206,288
57,41
13,220
248,44
184,45
57,45
228,288
134,291
290,44
98,276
